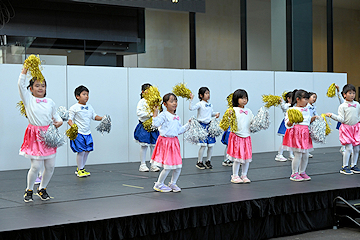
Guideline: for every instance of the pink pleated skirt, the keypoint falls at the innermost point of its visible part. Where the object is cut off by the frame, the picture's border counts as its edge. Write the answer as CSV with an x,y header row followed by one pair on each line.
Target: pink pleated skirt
x,y
239,149
167,153
33,147
349,134
298,139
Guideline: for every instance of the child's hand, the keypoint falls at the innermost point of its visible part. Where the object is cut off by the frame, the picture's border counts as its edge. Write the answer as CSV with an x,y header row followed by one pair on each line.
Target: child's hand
x,y
328,114
337,88
217,115
289,124
58,124
230,111
313,118
191,96
155,111
24,71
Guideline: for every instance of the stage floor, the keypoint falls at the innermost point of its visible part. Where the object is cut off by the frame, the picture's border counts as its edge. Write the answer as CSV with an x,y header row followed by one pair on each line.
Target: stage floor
x,y
120,190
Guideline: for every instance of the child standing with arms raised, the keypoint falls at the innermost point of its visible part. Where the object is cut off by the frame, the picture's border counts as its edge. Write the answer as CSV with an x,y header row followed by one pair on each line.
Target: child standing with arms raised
x,y
167,149
297,137
41,112
81,114
143,137
349,131
239,145
204,114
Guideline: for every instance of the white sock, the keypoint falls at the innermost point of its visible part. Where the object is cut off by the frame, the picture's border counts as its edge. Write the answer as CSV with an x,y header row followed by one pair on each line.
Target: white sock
x,y
355,155
48,172
281,150
201,153
347,153
304,162
296,162
143,154
225,153
79,160
236,168
244,168
162,176
175,175
85,157
35,168
209,153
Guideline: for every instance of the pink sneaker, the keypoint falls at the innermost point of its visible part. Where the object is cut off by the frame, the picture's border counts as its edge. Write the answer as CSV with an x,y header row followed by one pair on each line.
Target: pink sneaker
x,y
245,179
305,176
236,179
296,177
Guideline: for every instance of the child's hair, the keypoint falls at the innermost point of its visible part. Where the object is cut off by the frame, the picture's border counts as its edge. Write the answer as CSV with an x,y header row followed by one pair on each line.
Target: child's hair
x,y
239,93
346,88
202,91
144,87
289,95
79,90
299,94
312,93
31,84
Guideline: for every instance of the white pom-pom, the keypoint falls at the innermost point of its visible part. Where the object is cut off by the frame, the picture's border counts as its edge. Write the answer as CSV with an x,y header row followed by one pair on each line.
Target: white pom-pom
x,y
64,114
196,132
52,137
261,121
317,130
214,128
105,125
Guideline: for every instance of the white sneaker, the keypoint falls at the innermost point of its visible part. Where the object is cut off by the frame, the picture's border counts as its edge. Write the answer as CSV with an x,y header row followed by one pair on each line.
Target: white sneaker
x,y
310,155
280,158
154,168
143,168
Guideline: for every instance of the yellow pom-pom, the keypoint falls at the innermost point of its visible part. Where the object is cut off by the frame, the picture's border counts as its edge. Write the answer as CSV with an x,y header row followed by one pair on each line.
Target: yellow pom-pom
x,y
181,90
153,98
229,100
271,100
328,129
295,116
284,95
21,107
229,119
148,125
33,64
331,91
72,132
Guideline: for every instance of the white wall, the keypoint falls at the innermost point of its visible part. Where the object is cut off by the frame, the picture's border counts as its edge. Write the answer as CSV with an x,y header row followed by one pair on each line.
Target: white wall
x,y
115,91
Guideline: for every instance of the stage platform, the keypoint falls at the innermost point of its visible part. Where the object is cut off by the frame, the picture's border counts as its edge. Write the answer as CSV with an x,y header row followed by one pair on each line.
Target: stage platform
x,y
118,202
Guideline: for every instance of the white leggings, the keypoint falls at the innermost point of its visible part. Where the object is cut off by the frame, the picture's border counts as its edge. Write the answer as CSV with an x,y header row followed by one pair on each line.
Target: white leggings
x,y
143,150
165,172
201,153
81,159
299,162
350,149
244,168
36,166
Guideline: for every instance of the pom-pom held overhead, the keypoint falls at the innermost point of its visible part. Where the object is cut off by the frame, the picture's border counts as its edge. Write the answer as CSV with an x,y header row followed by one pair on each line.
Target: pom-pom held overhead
x,y
51,137
152,97
63,113
196,132
271,100
105,125
72,132
229,119
331,91
261,120
328,129
214,128
295,116
33,64
229,100
181,90
317,130
21,107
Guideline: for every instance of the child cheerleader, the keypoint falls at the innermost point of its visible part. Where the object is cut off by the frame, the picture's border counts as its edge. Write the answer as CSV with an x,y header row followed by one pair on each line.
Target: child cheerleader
x,y
312,108
297,136
239,145
167,149
81,114
204,114
143,137
41,112
225,141
349,116
282,129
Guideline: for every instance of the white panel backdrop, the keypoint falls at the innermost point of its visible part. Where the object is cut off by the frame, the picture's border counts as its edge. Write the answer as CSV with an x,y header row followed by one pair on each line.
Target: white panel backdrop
x,y
115,91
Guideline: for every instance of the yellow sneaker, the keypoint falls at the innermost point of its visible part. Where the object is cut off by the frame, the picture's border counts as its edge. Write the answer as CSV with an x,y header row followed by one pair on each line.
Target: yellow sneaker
x,y
81,173
87,173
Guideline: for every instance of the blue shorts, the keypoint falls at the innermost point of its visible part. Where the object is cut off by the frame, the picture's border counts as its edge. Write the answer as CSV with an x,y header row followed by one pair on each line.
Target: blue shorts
x,y
208,140
82,143
282,128
225,137
143,136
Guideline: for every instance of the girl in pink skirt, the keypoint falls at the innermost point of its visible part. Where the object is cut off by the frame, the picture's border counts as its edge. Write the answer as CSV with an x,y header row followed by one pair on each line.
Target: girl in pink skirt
x,y
297,136
167,149
239,145
349,131
41,112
